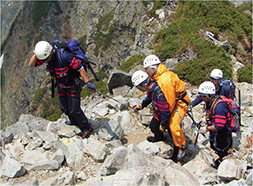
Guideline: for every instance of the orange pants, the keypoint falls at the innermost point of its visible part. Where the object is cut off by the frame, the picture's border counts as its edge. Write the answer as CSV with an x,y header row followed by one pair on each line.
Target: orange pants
x,y
174,124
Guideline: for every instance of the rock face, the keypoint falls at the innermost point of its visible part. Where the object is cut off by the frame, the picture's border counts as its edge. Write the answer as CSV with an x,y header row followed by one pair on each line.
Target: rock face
x,y
132,34
35,151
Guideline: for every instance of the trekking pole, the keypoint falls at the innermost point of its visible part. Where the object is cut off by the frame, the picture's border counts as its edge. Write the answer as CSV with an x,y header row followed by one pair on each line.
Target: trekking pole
x,y
239,101
52,86
100,93
196,126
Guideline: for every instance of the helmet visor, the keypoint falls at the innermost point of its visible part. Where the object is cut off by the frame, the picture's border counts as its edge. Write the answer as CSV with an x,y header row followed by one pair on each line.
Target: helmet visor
x,y
214,77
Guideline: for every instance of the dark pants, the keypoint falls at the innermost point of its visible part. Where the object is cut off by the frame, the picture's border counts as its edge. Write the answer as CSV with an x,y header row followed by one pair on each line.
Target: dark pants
x,y
154,126
221,142
69,103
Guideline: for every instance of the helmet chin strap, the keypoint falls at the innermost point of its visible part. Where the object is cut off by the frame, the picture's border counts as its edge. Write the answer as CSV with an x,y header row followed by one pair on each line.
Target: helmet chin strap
x,y
152,71
209,97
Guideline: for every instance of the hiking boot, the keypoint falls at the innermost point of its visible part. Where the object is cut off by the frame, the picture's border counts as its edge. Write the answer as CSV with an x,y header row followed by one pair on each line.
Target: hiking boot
x,y
216,163
69,123
182,152
153,139
86,133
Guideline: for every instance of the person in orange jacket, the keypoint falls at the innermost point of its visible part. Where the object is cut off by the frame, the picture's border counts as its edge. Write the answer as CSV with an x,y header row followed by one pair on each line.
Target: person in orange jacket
x,y
176,95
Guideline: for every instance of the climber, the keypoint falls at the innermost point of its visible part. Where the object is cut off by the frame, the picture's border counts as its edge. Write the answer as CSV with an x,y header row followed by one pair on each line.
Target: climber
x,y
159,122
177,98
218,120
223,87
68,88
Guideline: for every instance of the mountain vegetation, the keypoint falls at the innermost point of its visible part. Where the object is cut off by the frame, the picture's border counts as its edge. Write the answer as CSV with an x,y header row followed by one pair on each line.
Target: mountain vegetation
x,y
109,40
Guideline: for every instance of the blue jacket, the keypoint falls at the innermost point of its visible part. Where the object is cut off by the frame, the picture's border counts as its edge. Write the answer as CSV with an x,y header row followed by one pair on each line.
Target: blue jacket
x,y
160,105
64,71
219,116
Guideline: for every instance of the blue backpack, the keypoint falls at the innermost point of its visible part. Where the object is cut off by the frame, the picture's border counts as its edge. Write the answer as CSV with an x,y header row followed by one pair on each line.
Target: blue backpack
x,y
76,50
227,82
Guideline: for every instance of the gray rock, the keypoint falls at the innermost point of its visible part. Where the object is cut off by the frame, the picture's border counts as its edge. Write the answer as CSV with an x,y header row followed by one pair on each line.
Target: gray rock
x,y
48,165
18,128
117,79
33,157
231,169
141,175
123,90
67,178
68,146
59,156
149,148
47,136
113,162
110,130
95,149
249,179
16,149
166,151
5,138
34,182
117,103
12,168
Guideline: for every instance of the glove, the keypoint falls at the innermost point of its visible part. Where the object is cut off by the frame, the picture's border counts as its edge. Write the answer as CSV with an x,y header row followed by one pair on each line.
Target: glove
x,y
91,87
189,108
202,130
137,107
162,128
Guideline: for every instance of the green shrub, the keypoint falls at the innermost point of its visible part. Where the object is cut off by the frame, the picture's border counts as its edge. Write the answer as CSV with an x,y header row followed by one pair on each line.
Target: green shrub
x,y
182,33
100,86
55,116
82,41
244,74
67,17
41,9
209,57
38,95
105,21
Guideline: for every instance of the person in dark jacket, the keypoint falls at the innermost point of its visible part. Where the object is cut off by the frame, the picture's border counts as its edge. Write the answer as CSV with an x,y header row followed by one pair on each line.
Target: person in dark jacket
x,y
218,121
67,81
159,122
216,78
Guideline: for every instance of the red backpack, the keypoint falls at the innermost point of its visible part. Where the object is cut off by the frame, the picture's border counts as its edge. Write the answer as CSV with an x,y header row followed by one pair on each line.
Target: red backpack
x,y
234,110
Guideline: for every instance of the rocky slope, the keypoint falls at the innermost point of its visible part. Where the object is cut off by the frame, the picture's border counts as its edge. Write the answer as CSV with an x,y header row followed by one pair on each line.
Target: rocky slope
x,y
35,151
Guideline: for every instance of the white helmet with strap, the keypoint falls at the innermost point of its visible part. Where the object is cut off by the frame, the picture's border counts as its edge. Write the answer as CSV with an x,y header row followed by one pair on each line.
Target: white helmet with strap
x,y
138,77
43,50
150,61
216,74
207,88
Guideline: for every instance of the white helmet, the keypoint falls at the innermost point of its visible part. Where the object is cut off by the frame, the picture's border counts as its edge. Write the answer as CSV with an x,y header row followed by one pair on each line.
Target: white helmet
x,y
151,60
216,74
42,50
138,77
207,88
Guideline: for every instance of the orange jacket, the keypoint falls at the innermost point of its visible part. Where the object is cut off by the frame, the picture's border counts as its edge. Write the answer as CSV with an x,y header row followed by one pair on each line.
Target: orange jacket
x,y
172,87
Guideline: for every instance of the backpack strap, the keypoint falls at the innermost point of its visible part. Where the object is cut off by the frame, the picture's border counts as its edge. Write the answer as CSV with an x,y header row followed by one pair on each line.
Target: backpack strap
x,y
215,102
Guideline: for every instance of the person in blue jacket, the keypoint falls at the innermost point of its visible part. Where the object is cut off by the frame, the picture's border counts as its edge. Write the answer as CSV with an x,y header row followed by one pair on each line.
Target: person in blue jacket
x,y
216,77
67,81
161,108
218,121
